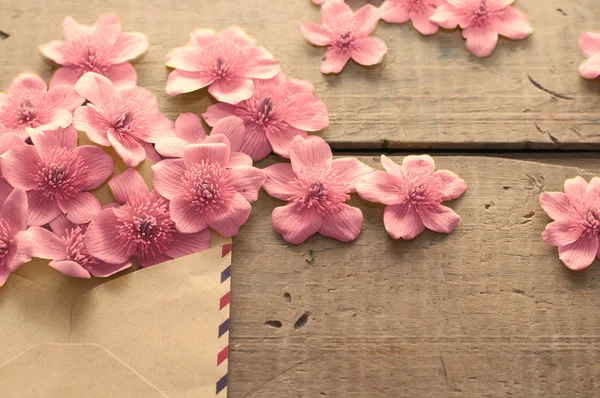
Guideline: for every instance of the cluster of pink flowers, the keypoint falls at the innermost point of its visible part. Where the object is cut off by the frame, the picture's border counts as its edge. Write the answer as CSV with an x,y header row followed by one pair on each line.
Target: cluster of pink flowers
x,y
347,34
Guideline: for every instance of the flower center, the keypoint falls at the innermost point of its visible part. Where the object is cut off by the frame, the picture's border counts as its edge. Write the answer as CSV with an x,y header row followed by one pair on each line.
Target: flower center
x,y
92,59
421,190
345,38
416,5
61,173
123,124
76,250
205,185
145,226
480,14
591,221
4,240
28,114
221,68
417,195
321,189
264,109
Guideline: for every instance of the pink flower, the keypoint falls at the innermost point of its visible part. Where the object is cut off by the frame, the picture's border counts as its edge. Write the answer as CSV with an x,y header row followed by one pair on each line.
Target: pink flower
x,y
56,174
226,61
316,188
126,118
141,227
589,44
16,245
346,35
189,130
482,21
28,104
279,110
65,246
7,141
413,194
210,186
419,11
577,222
100,48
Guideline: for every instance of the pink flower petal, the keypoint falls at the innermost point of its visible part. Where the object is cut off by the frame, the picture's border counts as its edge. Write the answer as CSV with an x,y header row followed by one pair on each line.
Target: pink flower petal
x,y
296,223
70,268
187,218
202,37
297,86
228,219
10,140
233,128
99,165
180,81
343,225
104,269
448,17
391,167
513,24
256,144
335,12
28,81
19,251
121,75
129,46
452,186
439,218
260,64
310,152
279,182
481,42
557,205
188,127
65,137
315,34
366,18
92,123
402,221
218,111
335,60
42,209
422,24
56,50
394,12
579,254
128,148
380,187
590,69
350,170
166,177
5,190
589,43
232,90
81,209
60,225
64,97
58,118
47,244
419,163
313,116
72,30
188,58
248,181
212,153
101,238
127,184
97,89
14,210
13,165
186,244
66,75
563,232
171,147
281,136
237,159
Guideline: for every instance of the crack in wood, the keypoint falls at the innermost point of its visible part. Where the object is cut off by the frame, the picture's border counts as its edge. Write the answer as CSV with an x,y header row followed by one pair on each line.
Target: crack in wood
x,y
4,35
553,93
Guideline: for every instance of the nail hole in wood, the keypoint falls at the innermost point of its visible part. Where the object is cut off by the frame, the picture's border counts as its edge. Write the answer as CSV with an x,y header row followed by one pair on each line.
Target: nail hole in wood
x,y
287,297
302,321
273,324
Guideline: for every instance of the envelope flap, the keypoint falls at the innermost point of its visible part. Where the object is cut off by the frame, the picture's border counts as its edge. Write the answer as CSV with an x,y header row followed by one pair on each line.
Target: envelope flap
x,y
71,370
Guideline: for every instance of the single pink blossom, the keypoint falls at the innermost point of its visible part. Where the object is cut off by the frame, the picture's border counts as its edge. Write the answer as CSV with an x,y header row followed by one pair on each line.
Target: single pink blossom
x,y
7,141
29,104
16,245
209,187
419,11
577,222
346,35
589,44
126,118
226,62
316,188
413,193
56,174
141,227
189,130
100,48
482,21
65,246
279,110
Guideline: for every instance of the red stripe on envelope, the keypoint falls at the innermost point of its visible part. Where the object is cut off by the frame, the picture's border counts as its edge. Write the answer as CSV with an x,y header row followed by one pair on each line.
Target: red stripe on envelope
x,y
224,301
223,355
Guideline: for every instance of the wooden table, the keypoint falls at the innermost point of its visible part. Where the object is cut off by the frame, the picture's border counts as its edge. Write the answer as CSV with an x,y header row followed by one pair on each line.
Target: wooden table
x,y
488,310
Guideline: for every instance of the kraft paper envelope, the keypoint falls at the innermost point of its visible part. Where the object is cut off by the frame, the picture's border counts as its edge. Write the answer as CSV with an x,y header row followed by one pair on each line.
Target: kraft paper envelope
x,y
156,332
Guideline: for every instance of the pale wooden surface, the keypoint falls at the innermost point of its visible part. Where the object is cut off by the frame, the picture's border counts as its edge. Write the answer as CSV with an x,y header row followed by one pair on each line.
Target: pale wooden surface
x,y
486,311
429,91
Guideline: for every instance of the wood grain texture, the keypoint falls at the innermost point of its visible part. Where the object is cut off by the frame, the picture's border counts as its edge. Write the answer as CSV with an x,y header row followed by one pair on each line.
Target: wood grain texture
x,y
428,92
488,310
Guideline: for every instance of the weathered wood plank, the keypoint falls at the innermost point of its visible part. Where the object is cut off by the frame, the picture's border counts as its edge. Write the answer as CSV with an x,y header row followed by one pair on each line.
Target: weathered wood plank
x,y
488,310
429,92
